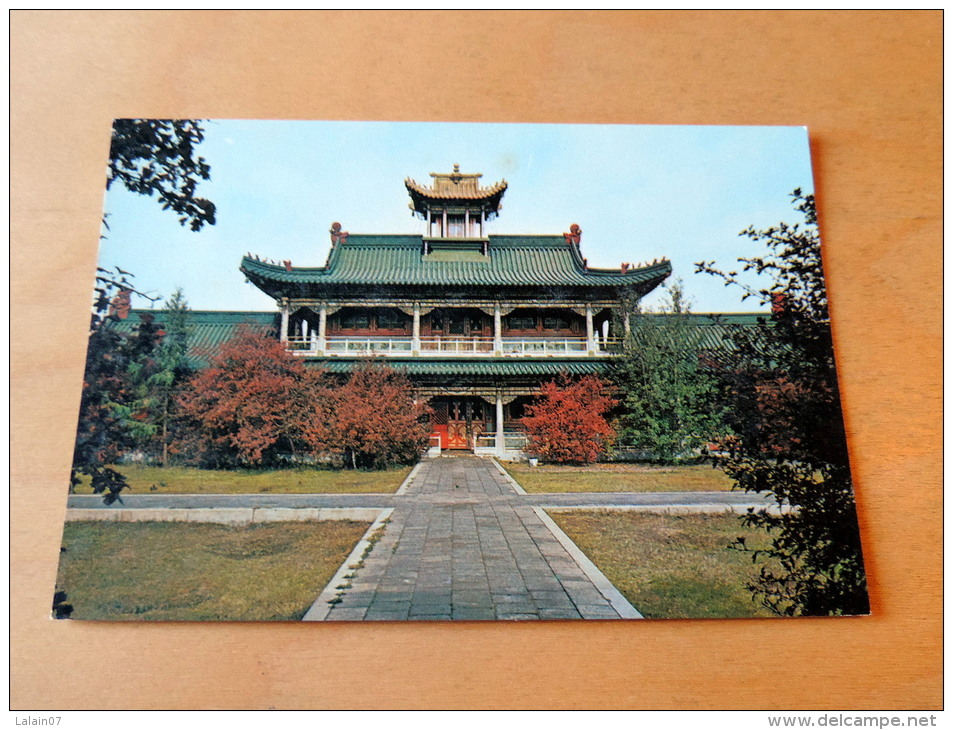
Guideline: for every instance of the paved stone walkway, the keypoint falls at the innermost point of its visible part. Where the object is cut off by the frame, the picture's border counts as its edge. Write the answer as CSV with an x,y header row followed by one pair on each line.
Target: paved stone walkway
x,y
708,501
458,547
460,542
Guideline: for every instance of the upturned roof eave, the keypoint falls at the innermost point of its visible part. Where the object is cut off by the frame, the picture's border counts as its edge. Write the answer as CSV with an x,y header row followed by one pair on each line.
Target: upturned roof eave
x,y
496,190
264,275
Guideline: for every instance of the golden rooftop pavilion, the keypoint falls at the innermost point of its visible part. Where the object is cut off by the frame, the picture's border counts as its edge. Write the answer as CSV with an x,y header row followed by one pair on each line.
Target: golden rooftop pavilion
x,y
477,321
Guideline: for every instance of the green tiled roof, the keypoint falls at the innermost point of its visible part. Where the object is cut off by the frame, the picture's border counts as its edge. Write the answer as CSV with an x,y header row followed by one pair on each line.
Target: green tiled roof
x,y
713,331
207,330
398,260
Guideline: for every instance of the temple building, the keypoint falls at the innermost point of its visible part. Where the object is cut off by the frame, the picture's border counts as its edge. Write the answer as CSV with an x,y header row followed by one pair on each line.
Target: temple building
x,y
476,320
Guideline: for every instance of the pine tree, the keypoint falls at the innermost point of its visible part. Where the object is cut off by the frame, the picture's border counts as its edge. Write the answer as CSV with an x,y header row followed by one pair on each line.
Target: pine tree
x,y
669,406
113,415
172,369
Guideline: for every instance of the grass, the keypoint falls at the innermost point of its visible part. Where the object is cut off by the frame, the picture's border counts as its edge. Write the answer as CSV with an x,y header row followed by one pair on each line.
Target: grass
x,y
619,478
671,566
199,572
188,480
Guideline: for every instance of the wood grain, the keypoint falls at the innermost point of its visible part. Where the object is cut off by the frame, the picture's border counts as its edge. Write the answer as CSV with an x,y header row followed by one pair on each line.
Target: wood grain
x,y
867,84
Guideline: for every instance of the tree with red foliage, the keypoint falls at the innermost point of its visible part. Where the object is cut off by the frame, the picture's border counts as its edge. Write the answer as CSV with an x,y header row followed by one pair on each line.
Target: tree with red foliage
x,y
375,420
567,424
254,402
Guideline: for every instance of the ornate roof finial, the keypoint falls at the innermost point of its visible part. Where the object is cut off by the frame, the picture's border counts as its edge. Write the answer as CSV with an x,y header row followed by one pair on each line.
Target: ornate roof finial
x,y
574,235
337,235
456,167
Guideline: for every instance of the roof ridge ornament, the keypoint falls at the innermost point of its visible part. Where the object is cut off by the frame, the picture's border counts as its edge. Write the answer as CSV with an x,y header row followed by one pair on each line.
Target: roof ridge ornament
x,y
337,235
646,265
575,234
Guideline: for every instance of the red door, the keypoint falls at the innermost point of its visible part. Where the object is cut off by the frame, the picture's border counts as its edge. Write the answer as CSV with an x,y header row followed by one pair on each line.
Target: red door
x,y
457,431
451,422
457,435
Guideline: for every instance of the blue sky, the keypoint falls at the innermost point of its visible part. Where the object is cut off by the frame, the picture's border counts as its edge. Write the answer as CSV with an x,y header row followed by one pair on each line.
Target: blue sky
x,y
638,193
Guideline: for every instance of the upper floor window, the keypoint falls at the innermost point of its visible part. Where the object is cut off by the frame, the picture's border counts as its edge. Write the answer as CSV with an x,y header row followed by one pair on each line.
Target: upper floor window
x,y
476,224
556,321
444,224
521,322
356,319
391,319
456,226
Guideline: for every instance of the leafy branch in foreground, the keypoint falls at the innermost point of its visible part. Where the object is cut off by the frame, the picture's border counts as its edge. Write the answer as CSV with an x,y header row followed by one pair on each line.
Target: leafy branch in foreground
x,y
152,157
157,158
789,440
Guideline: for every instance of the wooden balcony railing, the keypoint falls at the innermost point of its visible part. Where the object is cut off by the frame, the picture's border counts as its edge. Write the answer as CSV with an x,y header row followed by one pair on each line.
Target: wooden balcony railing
x,y
456,345
369,345
453,346
513,440
543,346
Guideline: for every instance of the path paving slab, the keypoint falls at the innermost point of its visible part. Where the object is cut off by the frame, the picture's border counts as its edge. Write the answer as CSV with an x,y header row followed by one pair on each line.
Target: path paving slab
x,y
461,544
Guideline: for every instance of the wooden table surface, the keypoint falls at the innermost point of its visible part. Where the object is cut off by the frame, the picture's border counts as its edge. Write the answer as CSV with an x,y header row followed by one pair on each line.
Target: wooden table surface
x,y
867,84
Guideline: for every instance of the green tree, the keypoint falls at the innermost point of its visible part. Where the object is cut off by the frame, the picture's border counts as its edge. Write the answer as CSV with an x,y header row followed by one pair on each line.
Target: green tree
x,y
157,158
789,440
154,158
669,405
112,413
163,376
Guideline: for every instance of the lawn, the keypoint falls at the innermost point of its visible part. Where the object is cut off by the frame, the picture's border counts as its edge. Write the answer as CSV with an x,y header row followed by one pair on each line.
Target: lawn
x,y
619,478
163,571
188,480
670,566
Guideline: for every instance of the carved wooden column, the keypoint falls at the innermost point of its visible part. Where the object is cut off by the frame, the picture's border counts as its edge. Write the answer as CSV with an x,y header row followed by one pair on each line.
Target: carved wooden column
x,y
322,328
415,341
497,330
500,441
284,320
590,345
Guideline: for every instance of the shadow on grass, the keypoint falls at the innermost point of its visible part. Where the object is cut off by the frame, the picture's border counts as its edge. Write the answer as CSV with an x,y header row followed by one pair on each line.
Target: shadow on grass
x,y
300,480
200,572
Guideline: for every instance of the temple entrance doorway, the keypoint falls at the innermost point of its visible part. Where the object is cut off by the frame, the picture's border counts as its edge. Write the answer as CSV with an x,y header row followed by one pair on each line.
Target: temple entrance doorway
x,y
461,422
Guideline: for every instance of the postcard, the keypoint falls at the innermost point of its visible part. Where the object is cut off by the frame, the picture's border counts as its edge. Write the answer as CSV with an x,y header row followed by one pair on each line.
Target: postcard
x,y
346,371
